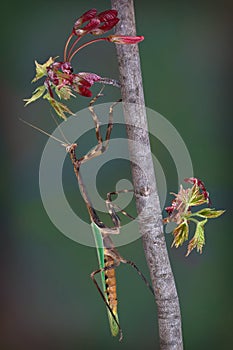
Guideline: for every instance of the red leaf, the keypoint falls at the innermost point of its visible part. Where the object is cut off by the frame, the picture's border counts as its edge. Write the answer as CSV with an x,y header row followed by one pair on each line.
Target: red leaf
x,y
123,39
107,15
85,17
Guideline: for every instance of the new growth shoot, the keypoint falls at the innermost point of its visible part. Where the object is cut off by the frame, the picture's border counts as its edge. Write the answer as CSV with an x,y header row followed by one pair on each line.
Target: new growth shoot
x,y
60,79
180,212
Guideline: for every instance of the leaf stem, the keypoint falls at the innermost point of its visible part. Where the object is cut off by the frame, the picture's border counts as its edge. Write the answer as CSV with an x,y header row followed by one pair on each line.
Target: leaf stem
x,y
66,46
72,46
84,45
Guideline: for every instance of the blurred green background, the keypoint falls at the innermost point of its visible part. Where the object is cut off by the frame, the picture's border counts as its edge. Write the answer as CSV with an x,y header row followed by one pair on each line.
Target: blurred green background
x,y
48,300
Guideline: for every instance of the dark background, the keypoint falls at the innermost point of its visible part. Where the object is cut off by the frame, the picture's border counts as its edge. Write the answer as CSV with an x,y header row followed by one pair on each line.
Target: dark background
x,y
48,300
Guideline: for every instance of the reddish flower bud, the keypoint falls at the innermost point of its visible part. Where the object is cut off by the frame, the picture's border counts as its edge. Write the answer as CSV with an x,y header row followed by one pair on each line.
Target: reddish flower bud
x,y
89,14
105,27
109,18
107,15
123,39
94,23
85,17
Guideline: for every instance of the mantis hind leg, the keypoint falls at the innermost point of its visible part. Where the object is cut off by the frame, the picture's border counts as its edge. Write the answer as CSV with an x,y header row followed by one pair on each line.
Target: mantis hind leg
x,y
131,263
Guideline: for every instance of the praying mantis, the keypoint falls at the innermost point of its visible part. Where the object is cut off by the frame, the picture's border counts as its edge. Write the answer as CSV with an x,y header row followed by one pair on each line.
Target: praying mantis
x,y
108,256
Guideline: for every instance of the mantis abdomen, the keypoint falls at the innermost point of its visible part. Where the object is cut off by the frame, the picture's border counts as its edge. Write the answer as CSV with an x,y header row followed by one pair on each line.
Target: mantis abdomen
x,y
110,282
111,293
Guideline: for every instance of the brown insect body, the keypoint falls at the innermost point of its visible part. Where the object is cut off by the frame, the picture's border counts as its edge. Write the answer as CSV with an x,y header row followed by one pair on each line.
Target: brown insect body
x,y
110,281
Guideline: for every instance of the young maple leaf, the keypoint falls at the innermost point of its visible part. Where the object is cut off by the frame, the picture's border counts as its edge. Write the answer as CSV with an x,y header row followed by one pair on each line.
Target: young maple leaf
x,y
181,213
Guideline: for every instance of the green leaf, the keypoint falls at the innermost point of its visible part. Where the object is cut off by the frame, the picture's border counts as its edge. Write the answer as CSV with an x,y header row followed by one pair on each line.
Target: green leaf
x,y
59,107
36,94
180,234
198,239
41,69
209,213
64,92
195,197
199,200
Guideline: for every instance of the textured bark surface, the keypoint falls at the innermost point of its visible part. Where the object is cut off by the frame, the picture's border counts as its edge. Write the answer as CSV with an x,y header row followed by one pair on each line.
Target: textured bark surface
x,y
150,224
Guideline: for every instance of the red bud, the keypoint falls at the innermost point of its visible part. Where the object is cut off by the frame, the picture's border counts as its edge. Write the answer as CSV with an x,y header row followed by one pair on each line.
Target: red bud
x,y
123,39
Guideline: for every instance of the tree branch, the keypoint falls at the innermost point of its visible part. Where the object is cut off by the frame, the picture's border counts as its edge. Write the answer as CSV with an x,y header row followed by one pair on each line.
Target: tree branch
x,y
150,224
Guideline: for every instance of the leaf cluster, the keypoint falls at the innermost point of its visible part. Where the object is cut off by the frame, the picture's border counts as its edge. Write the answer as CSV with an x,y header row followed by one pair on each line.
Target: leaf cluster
x,y
181,213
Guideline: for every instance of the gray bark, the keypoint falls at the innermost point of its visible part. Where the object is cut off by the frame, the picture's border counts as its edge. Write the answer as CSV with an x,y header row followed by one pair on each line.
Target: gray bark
x,y
150,223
